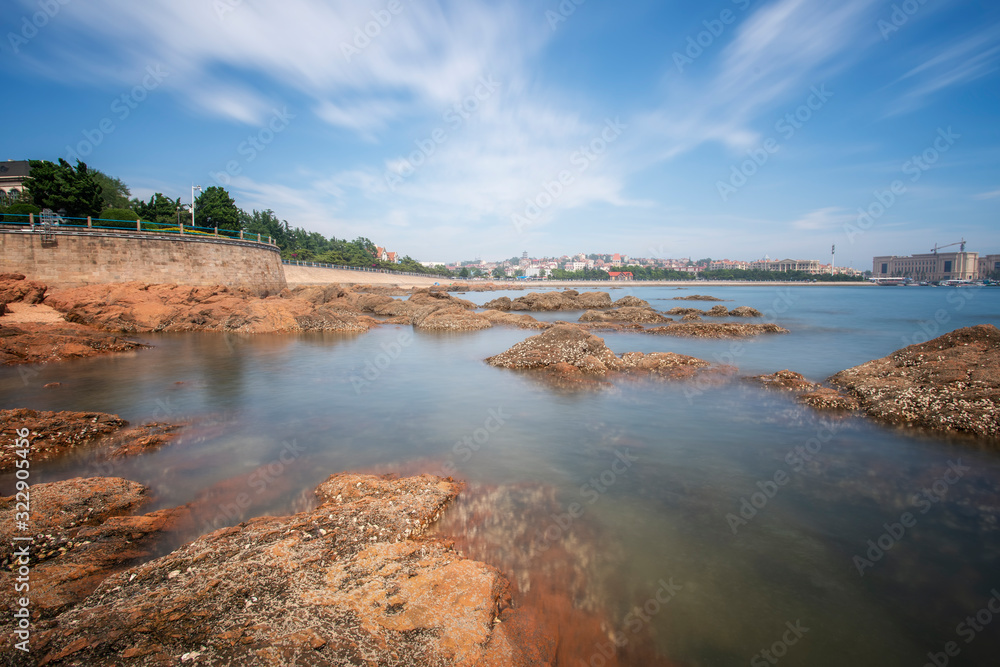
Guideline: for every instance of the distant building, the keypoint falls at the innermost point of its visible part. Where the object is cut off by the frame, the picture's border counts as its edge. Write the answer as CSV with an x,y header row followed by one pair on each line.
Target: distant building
x,y
988,266
928,266
620,275
784,265
13,174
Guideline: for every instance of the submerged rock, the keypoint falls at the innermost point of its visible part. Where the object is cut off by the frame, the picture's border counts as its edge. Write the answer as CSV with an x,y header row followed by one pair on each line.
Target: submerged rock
x,y
54,434
349,582
810,393
569,352
523,320
632,302
717,311
950,383
697,297
36,342
716,329
636,314
745,311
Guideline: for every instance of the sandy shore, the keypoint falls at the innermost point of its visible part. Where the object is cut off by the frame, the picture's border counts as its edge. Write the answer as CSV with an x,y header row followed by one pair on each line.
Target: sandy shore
x,y
309,275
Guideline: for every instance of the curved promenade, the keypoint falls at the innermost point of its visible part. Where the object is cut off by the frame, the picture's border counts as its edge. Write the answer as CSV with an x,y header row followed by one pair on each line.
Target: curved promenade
x,y
64,256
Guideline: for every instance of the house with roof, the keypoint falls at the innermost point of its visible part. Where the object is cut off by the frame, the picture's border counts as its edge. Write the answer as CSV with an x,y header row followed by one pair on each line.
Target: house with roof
x,y
621,275
13,174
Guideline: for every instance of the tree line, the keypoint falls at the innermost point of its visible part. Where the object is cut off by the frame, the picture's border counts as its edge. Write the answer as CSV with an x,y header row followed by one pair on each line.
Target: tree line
x,y
81,192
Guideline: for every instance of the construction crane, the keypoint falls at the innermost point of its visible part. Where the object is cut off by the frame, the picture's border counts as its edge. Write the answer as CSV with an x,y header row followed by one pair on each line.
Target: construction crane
x,y
942,247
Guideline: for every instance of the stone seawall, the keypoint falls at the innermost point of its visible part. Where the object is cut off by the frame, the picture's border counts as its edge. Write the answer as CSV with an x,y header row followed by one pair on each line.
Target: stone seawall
x,y
70,258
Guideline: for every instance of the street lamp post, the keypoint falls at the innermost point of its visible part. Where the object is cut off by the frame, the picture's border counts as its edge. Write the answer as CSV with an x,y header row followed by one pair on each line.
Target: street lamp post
x,y
193,188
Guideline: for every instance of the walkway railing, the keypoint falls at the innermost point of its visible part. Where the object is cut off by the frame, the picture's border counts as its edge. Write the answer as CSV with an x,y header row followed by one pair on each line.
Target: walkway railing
x,y
53,224
320,265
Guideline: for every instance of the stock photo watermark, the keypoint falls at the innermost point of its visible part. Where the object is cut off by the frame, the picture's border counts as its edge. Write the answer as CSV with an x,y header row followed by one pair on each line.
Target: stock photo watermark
x,y
31,25
550,190
968,629
934,326
787,126
591,492
465,448
914,168
377,365
637,619
898,17
563,11
364,35
253,145
796,458
122,107
701,41
779,649
258,481
455,116
895,531
21,558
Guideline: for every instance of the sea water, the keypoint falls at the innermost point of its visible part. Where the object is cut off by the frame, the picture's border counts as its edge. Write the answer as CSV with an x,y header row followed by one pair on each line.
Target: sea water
x,y
782,532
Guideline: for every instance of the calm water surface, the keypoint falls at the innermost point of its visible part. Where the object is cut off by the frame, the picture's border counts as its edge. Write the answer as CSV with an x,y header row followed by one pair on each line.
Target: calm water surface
x,y
272,416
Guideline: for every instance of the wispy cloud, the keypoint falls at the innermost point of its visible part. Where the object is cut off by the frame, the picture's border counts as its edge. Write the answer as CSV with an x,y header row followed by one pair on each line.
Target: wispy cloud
x,y
959,62
825,219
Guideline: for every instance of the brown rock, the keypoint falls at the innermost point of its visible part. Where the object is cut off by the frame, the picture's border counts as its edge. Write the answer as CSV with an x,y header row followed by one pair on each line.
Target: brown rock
x,y
634,314
347,582
502,303
745,311
697,297
450,318
14,288
786,379
568,353
523,321
950,383
825,398
33,342
632,302
716,329
691,317
810,393
717,311
54,434
138,307
685,311
80,536
561,343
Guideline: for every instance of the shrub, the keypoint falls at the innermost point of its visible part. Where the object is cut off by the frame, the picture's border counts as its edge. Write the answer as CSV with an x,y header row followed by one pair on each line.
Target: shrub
x,y
117,217
19,212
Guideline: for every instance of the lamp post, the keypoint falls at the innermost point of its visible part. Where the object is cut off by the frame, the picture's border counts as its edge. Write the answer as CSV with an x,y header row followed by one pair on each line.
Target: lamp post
x,y
193,188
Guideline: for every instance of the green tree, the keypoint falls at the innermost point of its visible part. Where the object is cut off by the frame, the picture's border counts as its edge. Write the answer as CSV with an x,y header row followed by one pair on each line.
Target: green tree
x,y
114,193
499,274
160,208
215,208
464,273
61,187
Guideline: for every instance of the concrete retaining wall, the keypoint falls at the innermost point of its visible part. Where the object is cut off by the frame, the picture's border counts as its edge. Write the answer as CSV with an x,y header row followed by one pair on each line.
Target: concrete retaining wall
x,y
71,257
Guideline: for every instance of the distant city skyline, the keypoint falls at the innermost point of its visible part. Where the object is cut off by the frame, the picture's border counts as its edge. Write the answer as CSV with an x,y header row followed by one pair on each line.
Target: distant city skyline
x,y
735,129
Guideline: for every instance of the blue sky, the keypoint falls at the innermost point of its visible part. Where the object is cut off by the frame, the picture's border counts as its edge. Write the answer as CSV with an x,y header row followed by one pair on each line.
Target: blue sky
x,y
454,130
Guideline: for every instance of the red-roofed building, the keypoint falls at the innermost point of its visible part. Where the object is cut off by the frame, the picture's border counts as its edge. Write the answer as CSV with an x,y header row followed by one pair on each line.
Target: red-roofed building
x,y
620,275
